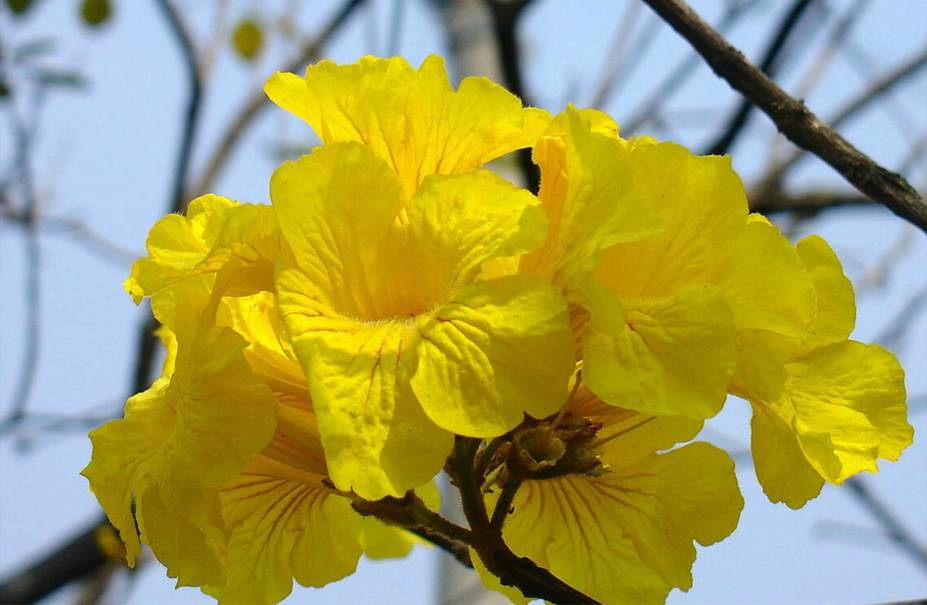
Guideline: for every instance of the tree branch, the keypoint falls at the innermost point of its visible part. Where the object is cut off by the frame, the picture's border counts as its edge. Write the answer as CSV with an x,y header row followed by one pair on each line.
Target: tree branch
x,y
792,118
769,65
522,573
900,74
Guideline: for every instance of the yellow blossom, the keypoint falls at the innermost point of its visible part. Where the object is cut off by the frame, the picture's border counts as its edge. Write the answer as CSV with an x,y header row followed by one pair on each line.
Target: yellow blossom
x,y
626,536
401,343
412,119
824,407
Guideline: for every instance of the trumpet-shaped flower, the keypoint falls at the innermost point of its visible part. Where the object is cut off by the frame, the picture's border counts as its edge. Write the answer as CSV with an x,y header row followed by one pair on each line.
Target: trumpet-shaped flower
x,y
654,246
402,344
626,535
824,407
412,119
182,439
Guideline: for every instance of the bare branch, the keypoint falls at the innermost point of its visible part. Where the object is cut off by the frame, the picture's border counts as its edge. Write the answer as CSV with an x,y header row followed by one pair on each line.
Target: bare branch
x,y
651,107
894,529
792,118
769,65
855,106
620,41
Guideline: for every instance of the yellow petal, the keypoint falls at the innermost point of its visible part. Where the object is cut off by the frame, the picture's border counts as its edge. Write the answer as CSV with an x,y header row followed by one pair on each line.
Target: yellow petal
x,y
284,524
780,464
591,200
836,304
378,440
178,441
765,283
702,205
626,537
500,348
673,356
411,119
849,405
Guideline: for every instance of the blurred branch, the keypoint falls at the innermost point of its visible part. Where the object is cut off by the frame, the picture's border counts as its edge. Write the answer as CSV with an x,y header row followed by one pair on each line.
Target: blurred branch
x,y
93,242
397,17
651,107
769,65
894,529
238,125
772,201
77,558
792,118
616,53
505,15
874,92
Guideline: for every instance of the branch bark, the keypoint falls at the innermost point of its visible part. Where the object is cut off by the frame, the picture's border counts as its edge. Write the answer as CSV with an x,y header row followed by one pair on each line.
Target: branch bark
x,y
791,116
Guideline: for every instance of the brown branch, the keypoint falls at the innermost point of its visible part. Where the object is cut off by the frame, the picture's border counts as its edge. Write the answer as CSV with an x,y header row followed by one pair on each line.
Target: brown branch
x,y
520,572
411,513
258,101
649,110
900,74
769,65
792,118
771,201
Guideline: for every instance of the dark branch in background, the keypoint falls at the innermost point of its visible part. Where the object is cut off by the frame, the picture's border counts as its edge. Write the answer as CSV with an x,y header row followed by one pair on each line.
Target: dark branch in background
x,y
82,555
769,65
895,531
650,108
505,14
792,118
880,87
258,101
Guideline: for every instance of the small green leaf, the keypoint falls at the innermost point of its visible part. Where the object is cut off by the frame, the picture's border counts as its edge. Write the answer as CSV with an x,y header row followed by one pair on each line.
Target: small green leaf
x,y
95,12
248,39
18,7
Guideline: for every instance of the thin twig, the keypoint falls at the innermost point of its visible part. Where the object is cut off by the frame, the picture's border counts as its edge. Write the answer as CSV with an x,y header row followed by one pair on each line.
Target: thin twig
x,y
397,18
894,529
907,69
258,101
651,107
620,41
792,118
769,65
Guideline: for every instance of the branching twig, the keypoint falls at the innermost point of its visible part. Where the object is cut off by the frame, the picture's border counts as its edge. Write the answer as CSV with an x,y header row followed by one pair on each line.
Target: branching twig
x,y
900,74
793,119
769,65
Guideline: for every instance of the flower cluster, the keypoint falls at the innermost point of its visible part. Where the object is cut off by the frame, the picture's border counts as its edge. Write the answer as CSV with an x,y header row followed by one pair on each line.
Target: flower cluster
x,y
328,348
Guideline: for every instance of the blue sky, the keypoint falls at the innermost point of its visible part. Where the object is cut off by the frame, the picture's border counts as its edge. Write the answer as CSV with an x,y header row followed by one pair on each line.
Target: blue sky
x,y
106,155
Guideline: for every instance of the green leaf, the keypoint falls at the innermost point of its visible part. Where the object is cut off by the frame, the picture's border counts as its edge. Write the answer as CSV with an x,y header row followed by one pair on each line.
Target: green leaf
x,y
19,7
248,39
95,12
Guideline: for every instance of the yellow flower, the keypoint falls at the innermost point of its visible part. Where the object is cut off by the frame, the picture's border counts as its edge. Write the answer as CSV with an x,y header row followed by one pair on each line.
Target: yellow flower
x,y
412,119
241,240
182,439
626,536
401,342
654,247
282,521
824,407
226,467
